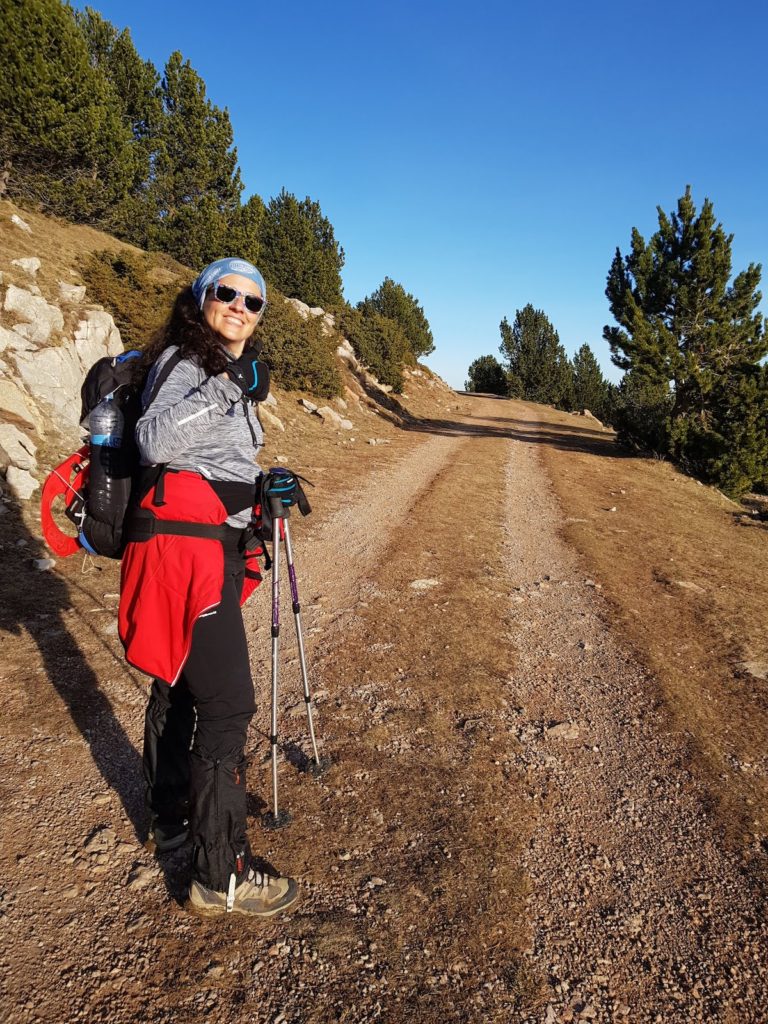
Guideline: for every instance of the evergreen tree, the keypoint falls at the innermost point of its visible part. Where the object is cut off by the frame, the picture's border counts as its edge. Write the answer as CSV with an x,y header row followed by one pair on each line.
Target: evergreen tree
x,y
684,328
486,374
245,230
299,252
62,136
392,300
538,368
136,84
196,183
589,386
379,343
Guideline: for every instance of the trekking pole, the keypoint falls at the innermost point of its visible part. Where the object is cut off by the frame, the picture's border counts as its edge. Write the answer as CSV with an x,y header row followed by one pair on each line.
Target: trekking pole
x,y
285,532
278,818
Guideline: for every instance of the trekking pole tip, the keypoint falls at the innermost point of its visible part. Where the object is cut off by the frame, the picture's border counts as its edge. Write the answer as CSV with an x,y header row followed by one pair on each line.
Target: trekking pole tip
x,y
272,821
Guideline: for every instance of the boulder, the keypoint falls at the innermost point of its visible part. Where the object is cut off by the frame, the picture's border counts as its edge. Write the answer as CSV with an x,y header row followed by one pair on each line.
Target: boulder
x,y
316,311
96,336
53,376
11,340
71,293
16,448
268,419
34,310
307,406
270,399
301,307
29,264
329,415
21,483
20,224
347,353
15,407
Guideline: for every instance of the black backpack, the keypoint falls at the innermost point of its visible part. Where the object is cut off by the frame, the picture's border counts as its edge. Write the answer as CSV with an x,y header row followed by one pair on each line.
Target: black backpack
x,y
116,479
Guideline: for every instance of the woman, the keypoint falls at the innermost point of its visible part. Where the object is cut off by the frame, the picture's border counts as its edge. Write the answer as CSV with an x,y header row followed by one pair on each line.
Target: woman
x,y
186,571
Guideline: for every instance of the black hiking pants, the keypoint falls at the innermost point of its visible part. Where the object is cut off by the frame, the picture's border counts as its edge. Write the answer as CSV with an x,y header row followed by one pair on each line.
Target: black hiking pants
x,y
194,741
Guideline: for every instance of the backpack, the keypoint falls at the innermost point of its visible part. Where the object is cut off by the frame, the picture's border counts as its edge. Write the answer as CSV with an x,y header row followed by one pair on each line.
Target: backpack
x,y
100,484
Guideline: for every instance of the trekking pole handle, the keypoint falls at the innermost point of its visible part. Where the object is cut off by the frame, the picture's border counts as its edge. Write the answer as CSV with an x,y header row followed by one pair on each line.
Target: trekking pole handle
x,y
276,508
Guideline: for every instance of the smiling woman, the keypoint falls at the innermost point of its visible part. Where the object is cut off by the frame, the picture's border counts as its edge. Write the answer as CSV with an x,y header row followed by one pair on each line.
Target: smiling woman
x,y
180,618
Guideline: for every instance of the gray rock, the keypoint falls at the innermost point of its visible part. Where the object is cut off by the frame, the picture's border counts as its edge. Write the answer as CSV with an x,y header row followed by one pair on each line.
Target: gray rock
x,y
316,311
20,224
21,483
43,563
564,731
71,293
12,340
307,406
268,419
29,264
33,309
270,399
15,407
16,448
301,307
329,415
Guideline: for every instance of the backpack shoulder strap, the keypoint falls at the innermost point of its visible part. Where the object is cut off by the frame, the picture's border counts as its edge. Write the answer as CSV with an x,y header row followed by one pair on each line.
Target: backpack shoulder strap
x,y
168,367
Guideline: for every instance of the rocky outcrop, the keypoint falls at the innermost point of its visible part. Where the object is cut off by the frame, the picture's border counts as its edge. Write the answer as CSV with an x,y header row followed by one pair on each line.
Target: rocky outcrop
x,y
42,366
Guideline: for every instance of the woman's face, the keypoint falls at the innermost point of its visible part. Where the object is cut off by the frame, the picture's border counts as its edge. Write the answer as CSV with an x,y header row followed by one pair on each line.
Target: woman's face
x,y
232,321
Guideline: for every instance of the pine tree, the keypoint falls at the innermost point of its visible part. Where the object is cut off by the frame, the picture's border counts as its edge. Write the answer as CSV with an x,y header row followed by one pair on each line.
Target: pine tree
x,y
62,135
196,182
136,84
486,374
299,252
392,300
684,328
539,369
589,386
244,237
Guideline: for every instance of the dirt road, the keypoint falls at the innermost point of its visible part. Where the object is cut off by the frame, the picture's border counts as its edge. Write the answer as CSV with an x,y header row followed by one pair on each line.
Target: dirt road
x,y
508,830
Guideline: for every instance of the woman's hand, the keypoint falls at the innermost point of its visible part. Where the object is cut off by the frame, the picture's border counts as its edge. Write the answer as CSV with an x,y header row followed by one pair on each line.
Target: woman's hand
x,y
250,375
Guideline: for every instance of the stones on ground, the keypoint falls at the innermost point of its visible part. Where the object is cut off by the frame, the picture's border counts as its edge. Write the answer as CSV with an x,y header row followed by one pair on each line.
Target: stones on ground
x,y
20,224
307,406
42,564
687,585
756,669
425,584
29,264
564,731
141,876
268,419
270,400
110,630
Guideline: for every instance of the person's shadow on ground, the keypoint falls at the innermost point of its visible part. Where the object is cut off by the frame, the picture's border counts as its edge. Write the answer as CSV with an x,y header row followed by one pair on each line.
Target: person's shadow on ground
x,y
39,603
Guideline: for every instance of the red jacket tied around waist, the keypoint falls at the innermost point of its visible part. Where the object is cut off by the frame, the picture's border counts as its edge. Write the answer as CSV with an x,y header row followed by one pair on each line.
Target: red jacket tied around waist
x,y
167,582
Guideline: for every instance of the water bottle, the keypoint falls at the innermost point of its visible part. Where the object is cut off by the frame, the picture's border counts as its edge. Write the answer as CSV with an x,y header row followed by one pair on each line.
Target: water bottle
x,y
109,485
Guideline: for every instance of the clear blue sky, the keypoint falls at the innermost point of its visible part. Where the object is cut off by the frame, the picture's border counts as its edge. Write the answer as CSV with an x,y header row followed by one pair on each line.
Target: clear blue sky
x,y
486,155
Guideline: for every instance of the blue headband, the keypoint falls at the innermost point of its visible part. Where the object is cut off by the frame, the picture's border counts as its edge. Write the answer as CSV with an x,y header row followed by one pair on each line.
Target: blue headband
x,y
220,268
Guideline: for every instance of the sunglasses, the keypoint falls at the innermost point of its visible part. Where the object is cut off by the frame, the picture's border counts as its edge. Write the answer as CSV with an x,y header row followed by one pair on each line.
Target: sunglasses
x,y
223,293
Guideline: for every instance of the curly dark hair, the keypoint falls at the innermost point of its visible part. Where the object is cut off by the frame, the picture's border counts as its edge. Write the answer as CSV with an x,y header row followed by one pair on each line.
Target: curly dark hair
x,y
186,327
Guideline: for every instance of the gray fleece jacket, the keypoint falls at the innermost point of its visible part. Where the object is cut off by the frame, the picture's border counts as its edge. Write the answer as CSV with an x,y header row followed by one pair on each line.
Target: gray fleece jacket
x,y
201,424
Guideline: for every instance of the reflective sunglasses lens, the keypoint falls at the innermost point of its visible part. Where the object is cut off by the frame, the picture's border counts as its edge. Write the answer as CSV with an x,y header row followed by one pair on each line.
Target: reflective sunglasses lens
x,y
253,303
224,293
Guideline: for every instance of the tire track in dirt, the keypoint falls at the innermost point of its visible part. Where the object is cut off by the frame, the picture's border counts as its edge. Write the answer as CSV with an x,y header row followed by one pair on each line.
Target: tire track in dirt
x,y
637,911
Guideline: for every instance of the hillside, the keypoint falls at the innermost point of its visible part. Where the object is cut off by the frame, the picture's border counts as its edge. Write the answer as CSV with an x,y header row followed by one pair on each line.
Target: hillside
x,y
540,670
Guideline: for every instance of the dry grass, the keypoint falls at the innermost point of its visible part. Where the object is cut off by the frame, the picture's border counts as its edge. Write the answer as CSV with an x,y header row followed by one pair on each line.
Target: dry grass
x,y
688,577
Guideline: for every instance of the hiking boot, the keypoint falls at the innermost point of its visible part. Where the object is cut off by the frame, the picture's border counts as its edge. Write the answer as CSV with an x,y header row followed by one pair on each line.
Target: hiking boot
x,y
163,838
258,895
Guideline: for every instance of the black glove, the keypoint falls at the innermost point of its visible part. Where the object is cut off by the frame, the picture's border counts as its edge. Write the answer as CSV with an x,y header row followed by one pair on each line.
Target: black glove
x,y
250,375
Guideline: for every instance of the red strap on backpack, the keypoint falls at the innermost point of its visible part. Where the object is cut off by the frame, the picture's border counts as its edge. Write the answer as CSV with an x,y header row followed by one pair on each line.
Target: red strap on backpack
x,y
68,479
